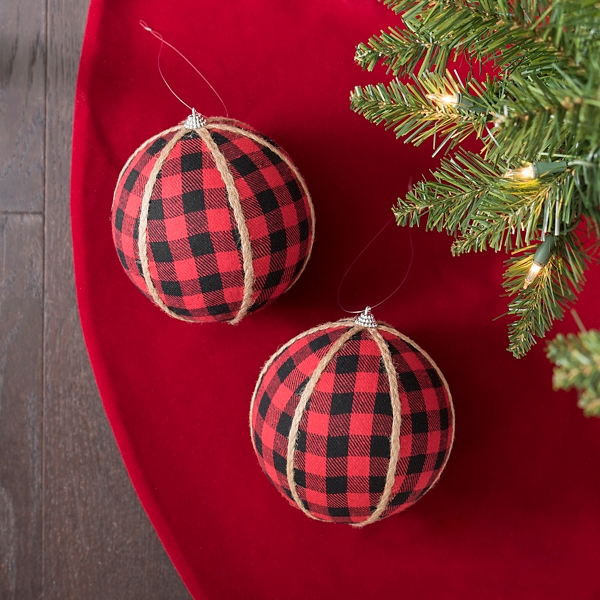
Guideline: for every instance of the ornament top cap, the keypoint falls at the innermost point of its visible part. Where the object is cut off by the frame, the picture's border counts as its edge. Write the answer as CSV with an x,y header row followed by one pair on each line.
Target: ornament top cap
x,y
366,319
195,120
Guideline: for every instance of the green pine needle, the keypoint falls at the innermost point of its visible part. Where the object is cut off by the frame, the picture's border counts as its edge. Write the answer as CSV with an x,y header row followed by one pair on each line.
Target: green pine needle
x,y
577,360
483,31
545,300
411,113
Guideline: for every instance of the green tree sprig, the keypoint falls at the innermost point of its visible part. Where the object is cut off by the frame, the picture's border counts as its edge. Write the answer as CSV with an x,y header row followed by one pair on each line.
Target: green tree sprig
x,y
540,105
577,365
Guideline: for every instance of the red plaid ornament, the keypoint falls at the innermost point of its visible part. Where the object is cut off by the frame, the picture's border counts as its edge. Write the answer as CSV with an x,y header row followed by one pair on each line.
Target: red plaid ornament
x,y
351,421
211,220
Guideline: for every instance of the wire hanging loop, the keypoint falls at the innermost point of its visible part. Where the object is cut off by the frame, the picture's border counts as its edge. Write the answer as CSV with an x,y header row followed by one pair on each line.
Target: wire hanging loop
x,y
369,308
162,41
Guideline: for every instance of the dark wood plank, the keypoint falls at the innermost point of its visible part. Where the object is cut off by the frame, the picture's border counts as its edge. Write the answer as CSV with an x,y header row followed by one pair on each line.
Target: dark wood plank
x,y
22,114
22,104
21,324
98,542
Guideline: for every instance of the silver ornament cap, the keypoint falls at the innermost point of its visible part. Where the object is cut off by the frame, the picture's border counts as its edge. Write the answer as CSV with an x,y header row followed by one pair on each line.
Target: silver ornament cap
x,y
195,120
366,319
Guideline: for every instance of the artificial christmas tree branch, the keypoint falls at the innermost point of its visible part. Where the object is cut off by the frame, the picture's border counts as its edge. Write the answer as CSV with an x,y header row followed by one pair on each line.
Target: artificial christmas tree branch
x,y
535,186
577,360
553,290
487,31
415,110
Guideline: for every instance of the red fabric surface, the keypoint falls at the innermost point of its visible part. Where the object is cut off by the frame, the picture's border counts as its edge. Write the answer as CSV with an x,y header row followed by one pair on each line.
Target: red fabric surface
x,y
515,514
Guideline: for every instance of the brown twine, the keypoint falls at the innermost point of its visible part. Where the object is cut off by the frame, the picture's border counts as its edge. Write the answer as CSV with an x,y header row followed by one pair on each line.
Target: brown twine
x,y
395,433
442,378
304,398
143,227
211,122
236,206
274,357
292,167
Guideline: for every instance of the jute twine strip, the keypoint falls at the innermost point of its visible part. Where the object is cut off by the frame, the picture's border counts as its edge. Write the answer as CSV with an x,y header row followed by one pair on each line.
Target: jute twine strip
x,y
126,166
240,221
143,227
395,434
442,378
292,167
213,121
304,398
274,358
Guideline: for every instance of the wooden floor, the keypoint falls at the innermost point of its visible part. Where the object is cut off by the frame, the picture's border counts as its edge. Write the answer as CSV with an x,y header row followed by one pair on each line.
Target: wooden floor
x,y
70,523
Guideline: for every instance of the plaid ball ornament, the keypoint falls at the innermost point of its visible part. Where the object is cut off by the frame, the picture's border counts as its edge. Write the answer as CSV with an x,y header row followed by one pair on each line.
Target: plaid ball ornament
x,y
211,220
351,421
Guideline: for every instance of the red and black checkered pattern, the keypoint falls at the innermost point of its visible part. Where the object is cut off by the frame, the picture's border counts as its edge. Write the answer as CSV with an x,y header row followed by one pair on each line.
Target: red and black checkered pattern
x,y
127,204
193,244
342,452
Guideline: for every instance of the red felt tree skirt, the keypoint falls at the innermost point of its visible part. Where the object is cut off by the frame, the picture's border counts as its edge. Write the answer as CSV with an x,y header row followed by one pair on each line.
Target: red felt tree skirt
x,y
515,515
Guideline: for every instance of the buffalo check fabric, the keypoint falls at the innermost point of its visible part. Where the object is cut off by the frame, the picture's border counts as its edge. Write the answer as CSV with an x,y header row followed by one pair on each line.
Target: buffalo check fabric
x,y
127,205
275,207
277,397
426,433
194,249
343,448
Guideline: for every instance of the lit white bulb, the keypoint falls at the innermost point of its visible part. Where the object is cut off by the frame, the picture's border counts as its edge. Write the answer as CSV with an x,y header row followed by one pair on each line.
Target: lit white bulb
x,y
540,259
445,99
523,174
533,273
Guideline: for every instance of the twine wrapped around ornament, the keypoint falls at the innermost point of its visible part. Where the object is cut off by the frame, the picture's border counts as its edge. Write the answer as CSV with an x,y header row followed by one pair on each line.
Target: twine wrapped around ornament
x,y
352,421
212,220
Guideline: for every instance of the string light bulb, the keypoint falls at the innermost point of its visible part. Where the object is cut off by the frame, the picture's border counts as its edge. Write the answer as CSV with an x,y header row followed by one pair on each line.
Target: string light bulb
x,y
536,170
540,259
445,99
526,173
457,100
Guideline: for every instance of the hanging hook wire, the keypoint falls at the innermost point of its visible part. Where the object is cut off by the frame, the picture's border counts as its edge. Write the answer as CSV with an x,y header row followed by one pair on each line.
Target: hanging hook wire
x,y
162,41
412,255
